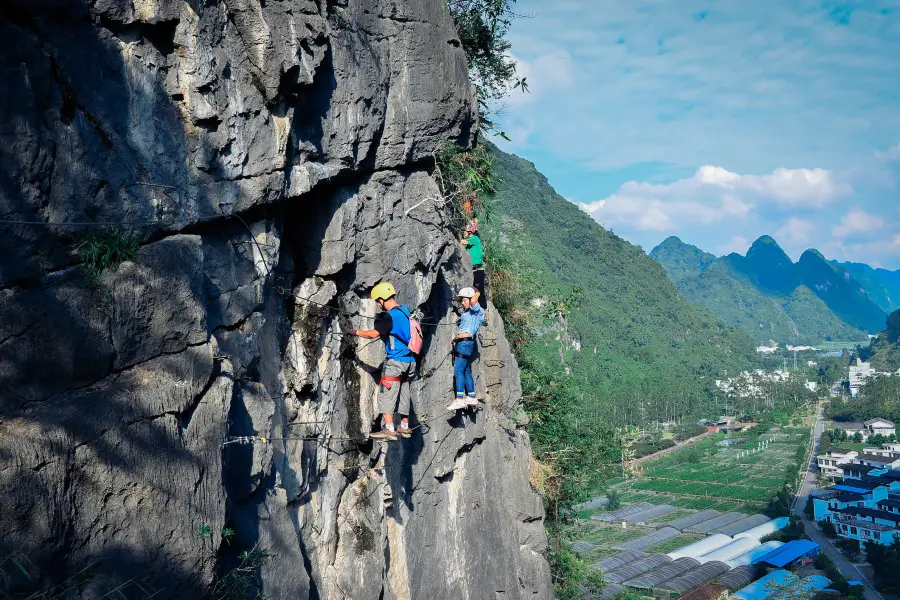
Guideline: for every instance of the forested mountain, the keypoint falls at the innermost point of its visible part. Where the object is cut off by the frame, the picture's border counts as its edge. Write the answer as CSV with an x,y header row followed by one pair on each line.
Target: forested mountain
x,y
680,259
884,351
635,351
767,266
772,298
843,295
881,285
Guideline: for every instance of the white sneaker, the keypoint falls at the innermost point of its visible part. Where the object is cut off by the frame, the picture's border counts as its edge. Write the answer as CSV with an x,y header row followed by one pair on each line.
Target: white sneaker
x,y
470,401
457,404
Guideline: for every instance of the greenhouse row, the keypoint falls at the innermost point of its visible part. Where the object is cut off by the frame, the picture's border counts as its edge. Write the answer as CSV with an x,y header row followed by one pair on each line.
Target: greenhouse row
x,y
652,539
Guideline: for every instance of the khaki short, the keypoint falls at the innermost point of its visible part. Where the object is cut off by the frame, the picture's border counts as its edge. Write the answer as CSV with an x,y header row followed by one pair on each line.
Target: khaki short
x,y
393,396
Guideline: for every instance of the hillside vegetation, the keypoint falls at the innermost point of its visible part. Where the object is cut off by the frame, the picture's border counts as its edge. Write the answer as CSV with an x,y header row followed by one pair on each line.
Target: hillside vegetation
x,y
769,296
634,351
604,343
884,350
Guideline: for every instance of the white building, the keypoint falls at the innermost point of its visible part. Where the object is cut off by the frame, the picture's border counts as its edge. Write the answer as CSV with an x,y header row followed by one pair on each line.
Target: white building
x,y
883,451
859,373
880,427
868,428
829,463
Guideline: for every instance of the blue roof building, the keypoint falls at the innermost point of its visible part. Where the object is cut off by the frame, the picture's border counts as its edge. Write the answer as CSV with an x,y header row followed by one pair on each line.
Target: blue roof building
x,y
848,493
816,582
867,524
859,486
795,553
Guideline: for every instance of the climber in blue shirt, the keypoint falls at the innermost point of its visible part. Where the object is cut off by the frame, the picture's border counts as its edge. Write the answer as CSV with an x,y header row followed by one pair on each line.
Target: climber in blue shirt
x,y
469,322
395,328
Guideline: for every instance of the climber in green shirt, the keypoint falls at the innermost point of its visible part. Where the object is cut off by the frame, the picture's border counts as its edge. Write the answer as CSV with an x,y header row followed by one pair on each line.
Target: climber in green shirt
x,y
472,242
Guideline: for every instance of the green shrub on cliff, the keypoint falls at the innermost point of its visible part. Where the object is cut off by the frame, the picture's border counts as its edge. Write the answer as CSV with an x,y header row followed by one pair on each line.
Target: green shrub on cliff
x,y
482,26
105,249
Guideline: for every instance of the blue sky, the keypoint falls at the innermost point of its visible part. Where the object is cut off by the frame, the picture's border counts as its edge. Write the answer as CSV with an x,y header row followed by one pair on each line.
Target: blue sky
x,y
718,121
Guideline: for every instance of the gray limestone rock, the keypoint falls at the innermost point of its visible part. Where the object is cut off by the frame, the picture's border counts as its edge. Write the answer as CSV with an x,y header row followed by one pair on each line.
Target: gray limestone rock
x,y
155,301
273,158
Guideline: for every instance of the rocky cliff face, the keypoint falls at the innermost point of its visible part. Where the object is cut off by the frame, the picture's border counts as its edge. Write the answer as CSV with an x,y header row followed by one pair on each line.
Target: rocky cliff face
x,y
273,156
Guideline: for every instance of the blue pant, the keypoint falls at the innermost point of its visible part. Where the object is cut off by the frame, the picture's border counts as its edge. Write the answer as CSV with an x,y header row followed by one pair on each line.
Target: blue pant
x,y
462,369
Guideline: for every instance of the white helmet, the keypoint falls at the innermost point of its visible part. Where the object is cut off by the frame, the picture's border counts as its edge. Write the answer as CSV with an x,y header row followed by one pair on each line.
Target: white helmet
x,y
466,292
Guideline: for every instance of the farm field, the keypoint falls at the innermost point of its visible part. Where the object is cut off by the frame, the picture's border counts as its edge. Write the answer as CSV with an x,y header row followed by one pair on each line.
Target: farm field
x,y
832,346
607,535
743,477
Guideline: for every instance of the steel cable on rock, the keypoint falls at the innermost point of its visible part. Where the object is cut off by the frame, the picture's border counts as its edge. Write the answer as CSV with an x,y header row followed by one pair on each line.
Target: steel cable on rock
x,y
281,290
249,439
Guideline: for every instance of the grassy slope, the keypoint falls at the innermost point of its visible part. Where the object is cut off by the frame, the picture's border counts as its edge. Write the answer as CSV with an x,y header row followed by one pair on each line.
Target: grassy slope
x,y
640,338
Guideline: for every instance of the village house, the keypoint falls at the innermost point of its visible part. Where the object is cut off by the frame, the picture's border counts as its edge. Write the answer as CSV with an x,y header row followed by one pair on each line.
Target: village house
x,y
865,509
830,462
881,427
878,461
869,428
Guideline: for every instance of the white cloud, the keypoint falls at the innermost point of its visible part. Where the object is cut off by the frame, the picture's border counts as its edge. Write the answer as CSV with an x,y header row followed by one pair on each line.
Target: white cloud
x,y
864,252
712,195
643,212
752,86
857,221
892,153
640,213
809,187
520,113
795,232
736,244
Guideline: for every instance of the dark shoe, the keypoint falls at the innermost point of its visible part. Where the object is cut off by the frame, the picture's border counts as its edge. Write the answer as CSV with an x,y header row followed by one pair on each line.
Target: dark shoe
x,y
405,432
384,434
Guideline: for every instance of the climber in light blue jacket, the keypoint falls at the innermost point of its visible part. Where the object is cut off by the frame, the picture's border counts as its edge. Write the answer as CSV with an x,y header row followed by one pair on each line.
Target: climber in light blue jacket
x,y
469,322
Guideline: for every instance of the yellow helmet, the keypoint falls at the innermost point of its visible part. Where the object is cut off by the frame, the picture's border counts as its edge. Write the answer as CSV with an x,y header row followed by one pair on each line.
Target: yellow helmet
x,y
383,291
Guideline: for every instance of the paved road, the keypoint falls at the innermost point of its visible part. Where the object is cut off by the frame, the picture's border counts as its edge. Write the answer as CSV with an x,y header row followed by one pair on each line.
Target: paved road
x,y
809,484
